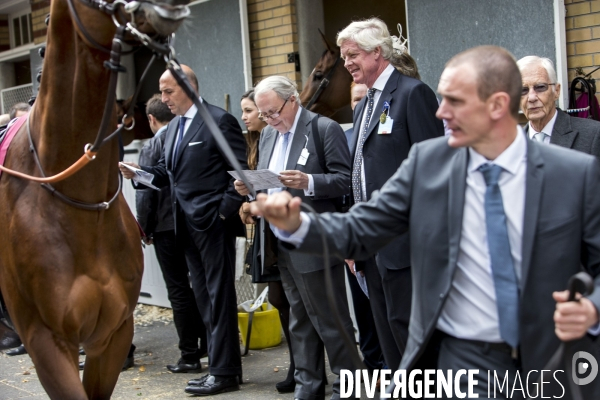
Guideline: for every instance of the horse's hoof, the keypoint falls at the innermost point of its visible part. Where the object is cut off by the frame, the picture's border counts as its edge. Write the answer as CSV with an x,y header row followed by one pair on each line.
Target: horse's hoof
x,y
17,351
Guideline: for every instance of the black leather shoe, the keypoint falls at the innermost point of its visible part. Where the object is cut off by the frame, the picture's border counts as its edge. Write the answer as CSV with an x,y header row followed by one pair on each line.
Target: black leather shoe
x,y
17,351
183,366
211,386
126,365
287,386
202,379
9,340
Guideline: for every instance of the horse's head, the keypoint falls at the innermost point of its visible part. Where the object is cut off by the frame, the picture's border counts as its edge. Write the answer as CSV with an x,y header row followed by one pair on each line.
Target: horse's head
x,y
162,17
149,17
334,80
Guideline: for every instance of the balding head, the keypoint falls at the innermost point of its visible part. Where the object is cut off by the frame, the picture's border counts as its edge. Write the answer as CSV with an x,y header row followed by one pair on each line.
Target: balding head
x,y
173,95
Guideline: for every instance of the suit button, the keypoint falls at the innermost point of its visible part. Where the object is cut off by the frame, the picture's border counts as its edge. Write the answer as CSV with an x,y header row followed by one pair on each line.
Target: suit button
x,y
175,184
442,295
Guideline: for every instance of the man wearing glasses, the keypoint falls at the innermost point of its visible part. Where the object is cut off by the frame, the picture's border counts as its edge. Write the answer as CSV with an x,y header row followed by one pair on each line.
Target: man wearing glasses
x,y
548,124
288,146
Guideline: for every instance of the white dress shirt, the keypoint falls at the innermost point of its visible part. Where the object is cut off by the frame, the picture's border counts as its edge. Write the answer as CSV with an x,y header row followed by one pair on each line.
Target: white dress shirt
x,y
546,129
470,311
189,116
379,85
274,162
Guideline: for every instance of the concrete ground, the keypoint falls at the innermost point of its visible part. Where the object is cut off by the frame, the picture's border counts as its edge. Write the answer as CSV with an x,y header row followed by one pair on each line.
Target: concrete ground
x,y
149,379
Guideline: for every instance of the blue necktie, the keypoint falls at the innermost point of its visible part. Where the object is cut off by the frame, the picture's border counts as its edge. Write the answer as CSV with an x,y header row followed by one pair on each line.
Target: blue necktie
x,y
179,139
358,159
503,271
282,152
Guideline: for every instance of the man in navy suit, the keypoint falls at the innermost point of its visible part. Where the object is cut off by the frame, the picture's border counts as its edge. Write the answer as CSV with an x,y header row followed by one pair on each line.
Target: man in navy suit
x,y
397,112
205,205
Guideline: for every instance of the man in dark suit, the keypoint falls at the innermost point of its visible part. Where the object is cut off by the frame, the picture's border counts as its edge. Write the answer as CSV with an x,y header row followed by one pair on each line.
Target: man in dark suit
x,y
155,216
547,123
397,112
491,248
205,205
320,183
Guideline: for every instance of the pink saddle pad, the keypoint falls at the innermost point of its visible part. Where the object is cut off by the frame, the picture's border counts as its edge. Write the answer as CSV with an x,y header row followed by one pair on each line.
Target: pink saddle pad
x,y
12,131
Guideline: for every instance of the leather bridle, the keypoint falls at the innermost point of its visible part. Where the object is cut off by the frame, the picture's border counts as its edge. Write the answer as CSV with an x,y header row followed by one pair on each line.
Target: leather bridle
x,y
117,10
323,85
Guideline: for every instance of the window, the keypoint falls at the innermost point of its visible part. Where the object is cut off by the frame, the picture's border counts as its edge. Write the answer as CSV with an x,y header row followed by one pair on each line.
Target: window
x,y
21,29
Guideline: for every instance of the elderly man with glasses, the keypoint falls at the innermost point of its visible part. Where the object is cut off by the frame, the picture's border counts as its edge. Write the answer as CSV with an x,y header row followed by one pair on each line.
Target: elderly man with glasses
x,y
548,124
311,156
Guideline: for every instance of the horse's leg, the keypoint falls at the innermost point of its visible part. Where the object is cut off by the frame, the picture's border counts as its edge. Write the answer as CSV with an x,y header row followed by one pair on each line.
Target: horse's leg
x,y
56,363
102,370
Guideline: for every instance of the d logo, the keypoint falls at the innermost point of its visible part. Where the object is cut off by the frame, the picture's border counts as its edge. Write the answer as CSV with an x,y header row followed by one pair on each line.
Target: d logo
x,y
582,367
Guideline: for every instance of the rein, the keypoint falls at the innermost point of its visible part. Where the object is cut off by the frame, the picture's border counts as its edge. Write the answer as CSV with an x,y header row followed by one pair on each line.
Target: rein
x,y
323,85
114,65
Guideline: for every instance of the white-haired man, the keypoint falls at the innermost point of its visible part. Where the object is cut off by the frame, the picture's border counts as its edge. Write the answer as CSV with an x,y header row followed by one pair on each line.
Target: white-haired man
x,y
397,112
289,145
547,123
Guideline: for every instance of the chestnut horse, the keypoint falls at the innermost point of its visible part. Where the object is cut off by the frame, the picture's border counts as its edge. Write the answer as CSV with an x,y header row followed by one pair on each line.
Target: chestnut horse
x,y
71,276
334,80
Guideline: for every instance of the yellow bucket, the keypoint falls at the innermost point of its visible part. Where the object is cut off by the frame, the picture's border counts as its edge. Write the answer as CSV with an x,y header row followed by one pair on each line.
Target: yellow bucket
x,y
266,327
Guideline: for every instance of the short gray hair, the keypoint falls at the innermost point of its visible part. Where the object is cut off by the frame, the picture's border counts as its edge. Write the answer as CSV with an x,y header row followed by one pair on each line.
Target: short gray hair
x,y
284,87
368,34
542,61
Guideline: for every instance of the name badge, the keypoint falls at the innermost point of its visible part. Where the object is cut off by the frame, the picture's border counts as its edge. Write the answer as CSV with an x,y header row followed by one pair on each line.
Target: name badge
x,y
303,156
386,127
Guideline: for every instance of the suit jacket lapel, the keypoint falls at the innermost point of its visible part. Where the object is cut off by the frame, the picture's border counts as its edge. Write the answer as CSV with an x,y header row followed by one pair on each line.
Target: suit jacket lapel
x,y
171,134
456,203
533,192
562,134
194,128
303,127
386,95
269,137
357,117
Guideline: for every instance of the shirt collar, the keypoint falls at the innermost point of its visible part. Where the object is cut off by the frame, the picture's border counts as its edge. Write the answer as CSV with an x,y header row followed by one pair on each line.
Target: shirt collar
x,y
509,159
547,129
383,78
162,128
296,118
191,112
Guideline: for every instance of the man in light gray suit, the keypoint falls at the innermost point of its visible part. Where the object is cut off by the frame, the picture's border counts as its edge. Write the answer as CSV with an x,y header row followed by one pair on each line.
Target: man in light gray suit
x,y
289,145
491,249
547,123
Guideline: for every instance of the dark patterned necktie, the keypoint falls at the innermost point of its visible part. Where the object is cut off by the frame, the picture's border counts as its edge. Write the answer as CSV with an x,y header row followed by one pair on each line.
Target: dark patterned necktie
x,y
503,270
358,159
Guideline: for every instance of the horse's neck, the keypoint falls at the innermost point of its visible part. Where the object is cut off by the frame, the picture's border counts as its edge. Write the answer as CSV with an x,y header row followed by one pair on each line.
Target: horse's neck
x,y
70,103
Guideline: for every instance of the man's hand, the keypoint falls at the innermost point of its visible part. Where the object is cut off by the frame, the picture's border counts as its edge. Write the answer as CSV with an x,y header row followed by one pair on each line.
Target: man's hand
x,y
241,188
245,214
148,240
128,174
280,209
294,179
352,267
572,319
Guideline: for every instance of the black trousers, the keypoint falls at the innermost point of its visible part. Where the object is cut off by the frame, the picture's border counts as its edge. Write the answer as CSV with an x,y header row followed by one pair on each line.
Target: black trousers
x,y
211,260
367,332
189,325
390,297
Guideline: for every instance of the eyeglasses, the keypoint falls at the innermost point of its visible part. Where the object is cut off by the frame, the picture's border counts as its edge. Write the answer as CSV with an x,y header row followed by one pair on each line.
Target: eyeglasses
x,y
539,88
274,115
